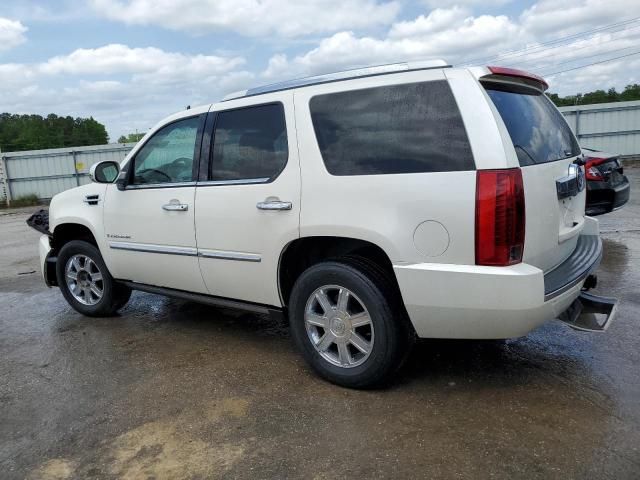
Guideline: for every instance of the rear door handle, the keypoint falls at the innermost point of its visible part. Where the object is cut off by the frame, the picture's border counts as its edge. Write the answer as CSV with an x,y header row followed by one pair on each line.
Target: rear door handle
x,y
274,205
175,206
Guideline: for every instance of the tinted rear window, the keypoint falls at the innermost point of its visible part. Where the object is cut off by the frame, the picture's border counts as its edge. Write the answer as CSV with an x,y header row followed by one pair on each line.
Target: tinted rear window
x,y
538,131
249,143
405,128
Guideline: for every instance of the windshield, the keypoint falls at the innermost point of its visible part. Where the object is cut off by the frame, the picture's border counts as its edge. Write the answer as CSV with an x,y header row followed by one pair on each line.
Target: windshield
x,y
538,131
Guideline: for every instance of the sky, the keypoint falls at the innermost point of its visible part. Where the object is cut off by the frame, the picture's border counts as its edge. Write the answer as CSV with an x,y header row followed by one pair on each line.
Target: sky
x,y
129,63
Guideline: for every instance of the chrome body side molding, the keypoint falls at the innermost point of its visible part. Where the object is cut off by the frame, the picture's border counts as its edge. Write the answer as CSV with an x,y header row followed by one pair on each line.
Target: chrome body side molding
x,y
152,248
224,255
187,251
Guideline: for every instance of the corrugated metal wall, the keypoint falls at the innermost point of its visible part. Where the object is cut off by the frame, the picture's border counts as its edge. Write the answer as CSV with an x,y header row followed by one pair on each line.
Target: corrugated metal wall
x,y
611,127
47,172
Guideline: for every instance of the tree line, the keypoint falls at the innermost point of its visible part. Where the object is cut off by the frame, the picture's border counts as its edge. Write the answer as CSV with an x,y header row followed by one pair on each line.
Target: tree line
x,y
33,132
630,92
130,138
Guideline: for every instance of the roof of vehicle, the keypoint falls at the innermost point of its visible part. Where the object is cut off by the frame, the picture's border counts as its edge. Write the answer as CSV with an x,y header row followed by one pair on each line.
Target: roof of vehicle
x,y
338,76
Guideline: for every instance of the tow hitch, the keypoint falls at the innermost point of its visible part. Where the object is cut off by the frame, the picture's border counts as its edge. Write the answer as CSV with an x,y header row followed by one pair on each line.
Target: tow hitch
x,y
590,313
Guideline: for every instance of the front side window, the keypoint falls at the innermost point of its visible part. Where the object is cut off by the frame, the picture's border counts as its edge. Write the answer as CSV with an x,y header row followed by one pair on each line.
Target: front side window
x,y
406,128
168,156
249,143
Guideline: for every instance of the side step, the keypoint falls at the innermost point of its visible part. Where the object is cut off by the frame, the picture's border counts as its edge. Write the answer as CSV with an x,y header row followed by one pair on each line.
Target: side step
x,y
274,312
590,313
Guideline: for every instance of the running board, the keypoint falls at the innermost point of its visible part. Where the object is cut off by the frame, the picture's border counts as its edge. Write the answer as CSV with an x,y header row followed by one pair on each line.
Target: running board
x,y
274,312
590,313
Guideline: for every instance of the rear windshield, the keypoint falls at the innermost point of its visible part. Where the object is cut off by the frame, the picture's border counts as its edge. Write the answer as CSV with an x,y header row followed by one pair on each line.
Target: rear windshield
x,y
538,131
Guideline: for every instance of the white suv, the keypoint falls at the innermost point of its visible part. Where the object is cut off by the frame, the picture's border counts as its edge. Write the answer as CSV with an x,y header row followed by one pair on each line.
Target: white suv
x,y
370,206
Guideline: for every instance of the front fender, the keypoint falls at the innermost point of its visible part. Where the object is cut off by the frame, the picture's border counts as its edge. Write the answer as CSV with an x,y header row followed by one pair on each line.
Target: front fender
x,y
70,207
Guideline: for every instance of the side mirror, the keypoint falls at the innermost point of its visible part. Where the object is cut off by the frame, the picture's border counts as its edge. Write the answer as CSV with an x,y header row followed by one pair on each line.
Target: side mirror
x,y
104,172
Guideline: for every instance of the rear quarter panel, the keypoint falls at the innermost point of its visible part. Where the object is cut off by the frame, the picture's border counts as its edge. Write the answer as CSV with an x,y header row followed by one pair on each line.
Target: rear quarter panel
x,y
384,209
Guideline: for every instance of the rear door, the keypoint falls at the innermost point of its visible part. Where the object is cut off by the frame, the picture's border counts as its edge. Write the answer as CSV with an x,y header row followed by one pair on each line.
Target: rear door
x,y
546,150
248,197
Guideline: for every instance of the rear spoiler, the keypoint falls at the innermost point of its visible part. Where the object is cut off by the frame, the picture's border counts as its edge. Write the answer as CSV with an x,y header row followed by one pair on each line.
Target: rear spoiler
x,y
511,76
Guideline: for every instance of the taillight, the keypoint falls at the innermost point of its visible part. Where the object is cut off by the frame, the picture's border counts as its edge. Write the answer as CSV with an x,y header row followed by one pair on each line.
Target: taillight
x,y
500,222
590,170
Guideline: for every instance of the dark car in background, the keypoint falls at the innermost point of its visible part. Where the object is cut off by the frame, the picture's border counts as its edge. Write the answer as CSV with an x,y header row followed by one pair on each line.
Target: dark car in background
x,y
607,186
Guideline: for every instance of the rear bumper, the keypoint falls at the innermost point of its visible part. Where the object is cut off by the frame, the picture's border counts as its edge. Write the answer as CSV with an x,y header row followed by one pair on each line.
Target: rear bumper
x,y
469,301
584,259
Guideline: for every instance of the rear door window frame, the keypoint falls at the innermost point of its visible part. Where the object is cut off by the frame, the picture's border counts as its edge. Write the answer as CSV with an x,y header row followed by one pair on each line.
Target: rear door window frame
x,y
206,156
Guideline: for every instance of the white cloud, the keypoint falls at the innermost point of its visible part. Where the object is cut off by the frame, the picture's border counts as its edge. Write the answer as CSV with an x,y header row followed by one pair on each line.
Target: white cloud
x,y
117,58
438,20
449,34
251,17
11,33
564,17
603,76
131,87
457,36
464,3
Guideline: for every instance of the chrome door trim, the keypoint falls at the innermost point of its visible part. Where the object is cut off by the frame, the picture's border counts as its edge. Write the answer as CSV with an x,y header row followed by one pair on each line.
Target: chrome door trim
x,y
143,186
152,248
247,181
225,255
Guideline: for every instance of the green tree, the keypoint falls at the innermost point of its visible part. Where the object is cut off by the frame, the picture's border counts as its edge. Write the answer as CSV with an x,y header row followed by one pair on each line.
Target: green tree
x,y
32,132
130,138
631,92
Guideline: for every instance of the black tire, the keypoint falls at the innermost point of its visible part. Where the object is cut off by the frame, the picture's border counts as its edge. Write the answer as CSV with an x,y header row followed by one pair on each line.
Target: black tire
x,y
114,295
394,335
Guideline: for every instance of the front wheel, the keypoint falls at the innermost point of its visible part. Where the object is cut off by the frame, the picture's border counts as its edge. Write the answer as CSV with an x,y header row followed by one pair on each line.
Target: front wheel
x,y
86,283
347,321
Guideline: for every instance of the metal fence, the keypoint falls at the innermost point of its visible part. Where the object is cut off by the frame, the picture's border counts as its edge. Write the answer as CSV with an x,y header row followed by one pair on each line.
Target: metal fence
x,y
611,127
47,172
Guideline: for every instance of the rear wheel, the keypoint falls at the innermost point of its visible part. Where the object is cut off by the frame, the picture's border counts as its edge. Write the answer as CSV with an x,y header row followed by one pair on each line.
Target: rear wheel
x,y
347,321
86,282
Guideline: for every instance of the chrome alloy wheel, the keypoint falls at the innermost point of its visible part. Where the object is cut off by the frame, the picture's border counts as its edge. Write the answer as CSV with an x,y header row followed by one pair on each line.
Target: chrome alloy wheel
x,y
84,279
339,326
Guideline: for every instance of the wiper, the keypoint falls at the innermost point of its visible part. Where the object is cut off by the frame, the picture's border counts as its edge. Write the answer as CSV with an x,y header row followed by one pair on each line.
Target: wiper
x,y
522,149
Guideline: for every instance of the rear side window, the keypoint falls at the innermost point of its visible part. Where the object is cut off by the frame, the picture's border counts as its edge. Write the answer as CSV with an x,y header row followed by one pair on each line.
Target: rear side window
x,y
249,143
538,131
406,128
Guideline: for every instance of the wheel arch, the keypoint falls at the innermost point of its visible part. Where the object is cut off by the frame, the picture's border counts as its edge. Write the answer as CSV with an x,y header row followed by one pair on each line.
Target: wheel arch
x,y
303,252
67,231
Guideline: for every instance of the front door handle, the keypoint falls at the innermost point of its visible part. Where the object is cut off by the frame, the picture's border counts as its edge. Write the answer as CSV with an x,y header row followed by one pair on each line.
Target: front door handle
x,y
175,206
274,205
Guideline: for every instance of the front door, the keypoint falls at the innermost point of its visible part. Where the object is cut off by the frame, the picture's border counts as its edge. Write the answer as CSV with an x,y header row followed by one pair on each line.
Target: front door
x,y
248,204
150,225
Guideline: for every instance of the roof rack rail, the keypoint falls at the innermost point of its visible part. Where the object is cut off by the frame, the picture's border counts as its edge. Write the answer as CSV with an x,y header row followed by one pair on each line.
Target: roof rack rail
x,y
337,76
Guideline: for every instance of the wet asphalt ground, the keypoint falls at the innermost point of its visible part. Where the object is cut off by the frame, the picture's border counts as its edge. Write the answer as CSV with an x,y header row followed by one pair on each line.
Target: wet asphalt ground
x,y
171,389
